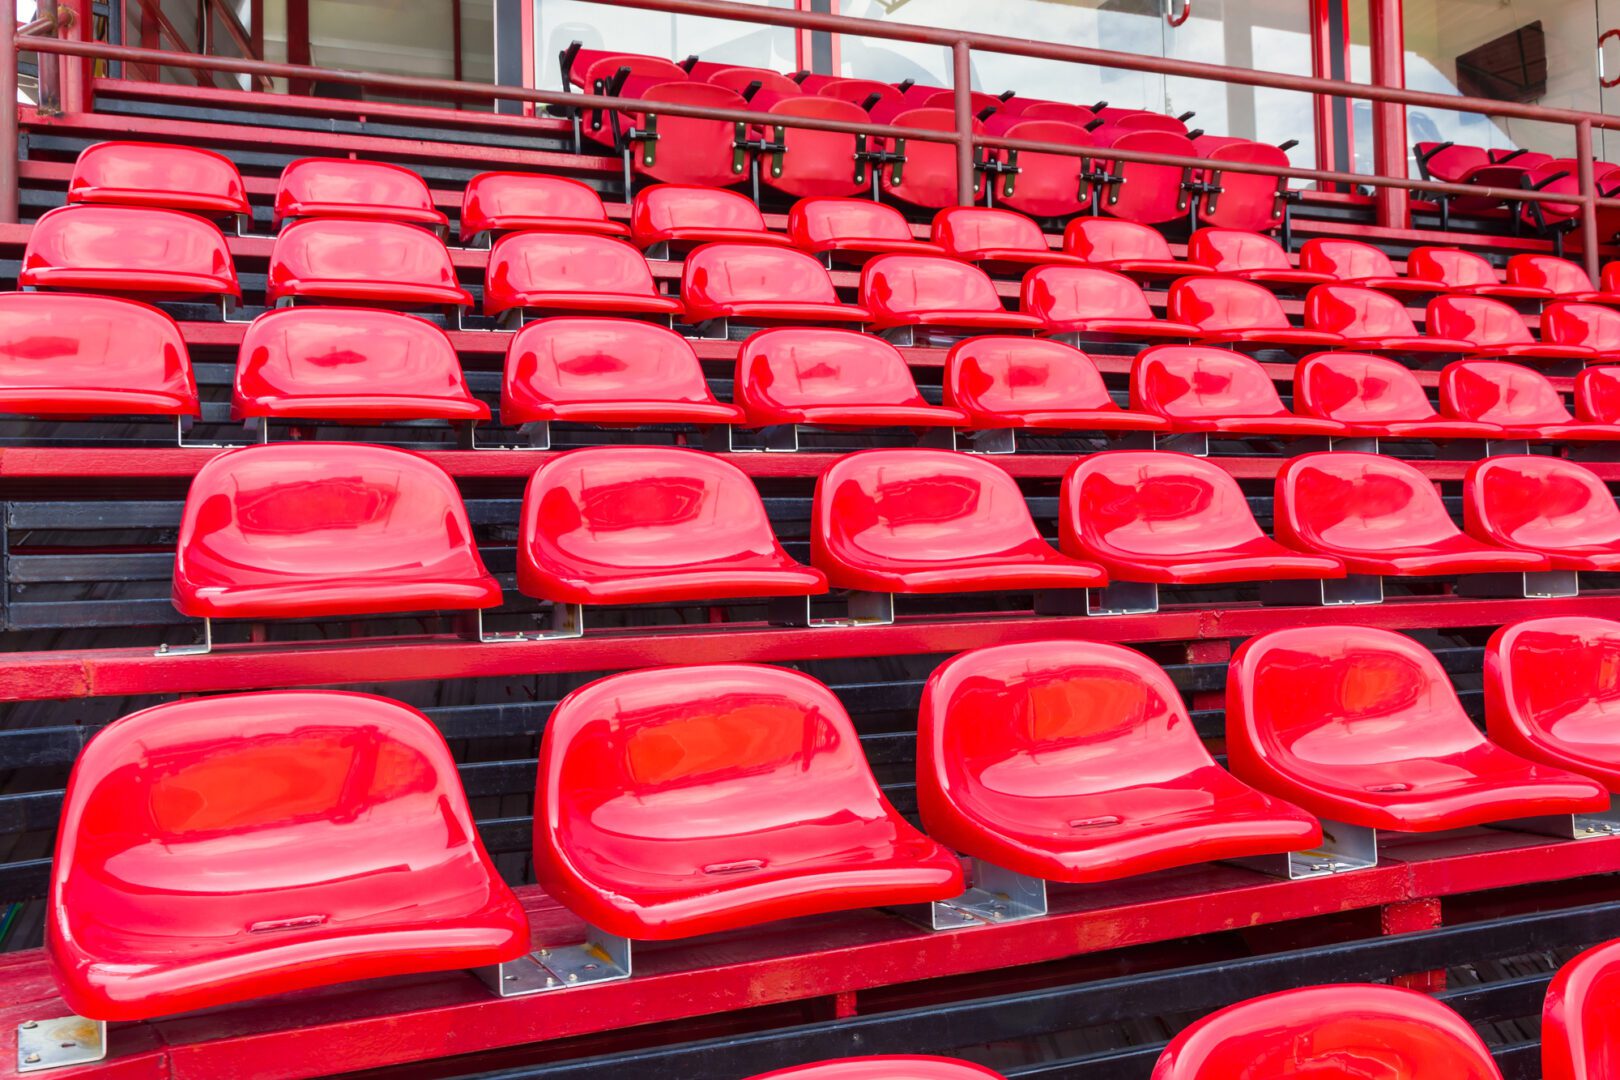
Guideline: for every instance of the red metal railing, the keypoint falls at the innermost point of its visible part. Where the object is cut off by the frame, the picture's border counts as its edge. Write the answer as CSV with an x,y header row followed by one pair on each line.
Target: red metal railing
x,y
961,43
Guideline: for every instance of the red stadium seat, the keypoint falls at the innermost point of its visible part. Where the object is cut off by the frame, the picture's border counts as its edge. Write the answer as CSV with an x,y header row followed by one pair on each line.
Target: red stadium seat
x,y
1370,319
1087,300
806,163
598,72
912,291
1330,1032
670,217
1578,1018
1236,200
1202,389
1376,397
1249,256
1077,761
1522,401
1465,274
980,102
154,174
341,188
150,253
926,174
1130,248
882,96
1560,277
793,822
588,370
311,530
884,1067
557,272
829,227
753,283
1002,238
1583,326
1543,504
1044,185
1597,395
686,150
1230,312
497,202
349,364
772,86
1355,263
1361,726
1494,329
1454,164
1149,194
338,820
368,262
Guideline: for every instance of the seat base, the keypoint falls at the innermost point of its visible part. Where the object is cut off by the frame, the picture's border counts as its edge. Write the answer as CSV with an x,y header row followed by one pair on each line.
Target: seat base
x,y
1569,827
997,895
60,1042
1123,598
863,609
1534,585
1352,589
1344,848
600,958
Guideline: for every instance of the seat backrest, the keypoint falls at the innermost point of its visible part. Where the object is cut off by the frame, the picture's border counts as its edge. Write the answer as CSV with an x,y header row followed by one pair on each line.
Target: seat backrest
x,y
773,85
1354,387
135,249
946,99
1343,501
1186,382
1009,375
1356,312
528,265
340,187
1597,395
1478,319
1064,112
1246,200
1524,159
1046,185
1450,164
1152,502
1103,240
967,232
1582,1008
902,285
1347,260
1330,1033
1557,276
1236,249
690,150
858,91
363,257
817,224
816,163
1215,303
719,274
1500,393
1148,193
584,358
1541,503
156,174
597,64
1450,266
1058,293
928,177
506,200
797,367
662,211
1593,326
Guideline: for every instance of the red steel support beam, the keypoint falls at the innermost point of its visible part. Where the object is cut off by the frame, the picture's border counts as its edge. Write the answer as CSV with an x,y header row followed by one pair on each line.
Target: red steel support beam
x,y
1389,118
962,85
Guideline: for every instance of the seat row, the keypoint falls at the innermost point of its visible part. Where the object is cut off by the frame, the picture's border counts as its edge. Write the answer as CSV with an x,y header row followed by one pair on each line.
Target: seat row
x,y
1524,170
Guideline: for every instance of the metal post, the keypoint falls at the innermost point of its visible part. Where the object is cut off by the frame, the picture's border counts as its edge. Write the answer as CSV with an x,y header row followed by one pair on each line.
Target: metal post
x,y
962,84
9,151
1388,40
1589,209
50,69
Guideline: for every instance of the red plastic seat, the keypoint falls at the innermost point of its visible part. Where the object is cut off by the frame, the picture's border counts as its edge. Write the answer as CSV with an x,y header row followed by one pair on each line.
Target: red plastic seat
x,y
1464,273
1381,516
1370,319
650,524
1494,329
932,521
1001,237
155,174
595,71
1077,761
884,1067
1199,388
853,226
1330,1033
1560,277
1168,518
684,215
1584,326
792,823
1149,194
139,251
1597,395
923,290
71,356
927,177
497,202
342,188
1374,396
689,150
571,272
1251,201
219,849
1231,312
882,96
589,370
816,163
773,85
350,364
1355,263
1523,401
840,378
1045,185
1091,300
754,283
1578,1018
370,262
1248,256
1543,504
1033,384
1127,247
307,530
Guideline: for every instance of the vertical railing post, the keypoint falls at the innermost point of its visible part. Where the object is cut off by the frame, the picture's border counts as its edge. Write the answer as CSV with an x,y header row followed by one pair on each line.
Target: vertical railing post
x,y
962,84
49,66
1388,47
73,18
1589,209
9,151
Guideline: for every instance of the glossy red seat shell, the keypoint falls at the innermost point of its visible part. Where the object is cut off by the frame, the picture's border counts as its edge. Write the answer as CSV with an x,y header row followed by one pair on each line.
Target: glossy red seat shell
x,y
1560,277
1335,1032
1034,383
884,1067
571,273
509,201
1578,1018
1522,401
1248,256
813,375
925,290
1251,201
296,530
586,369
219,849
350,364
1201,388
1381,516
142,251
1551,691
1077,761
687,214
1356,263
1091,300
69,355
370,262
1125,246
792,821
343,188
1229,312
1046,185
690,150
752,281
187,178
1369,319
1493,329
985,235
815,163
1574,326
1149,194
1597,395
650,524
1466,273
1553,507
928,177
1361,725
858,226
932,521
1169,518
1378,397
